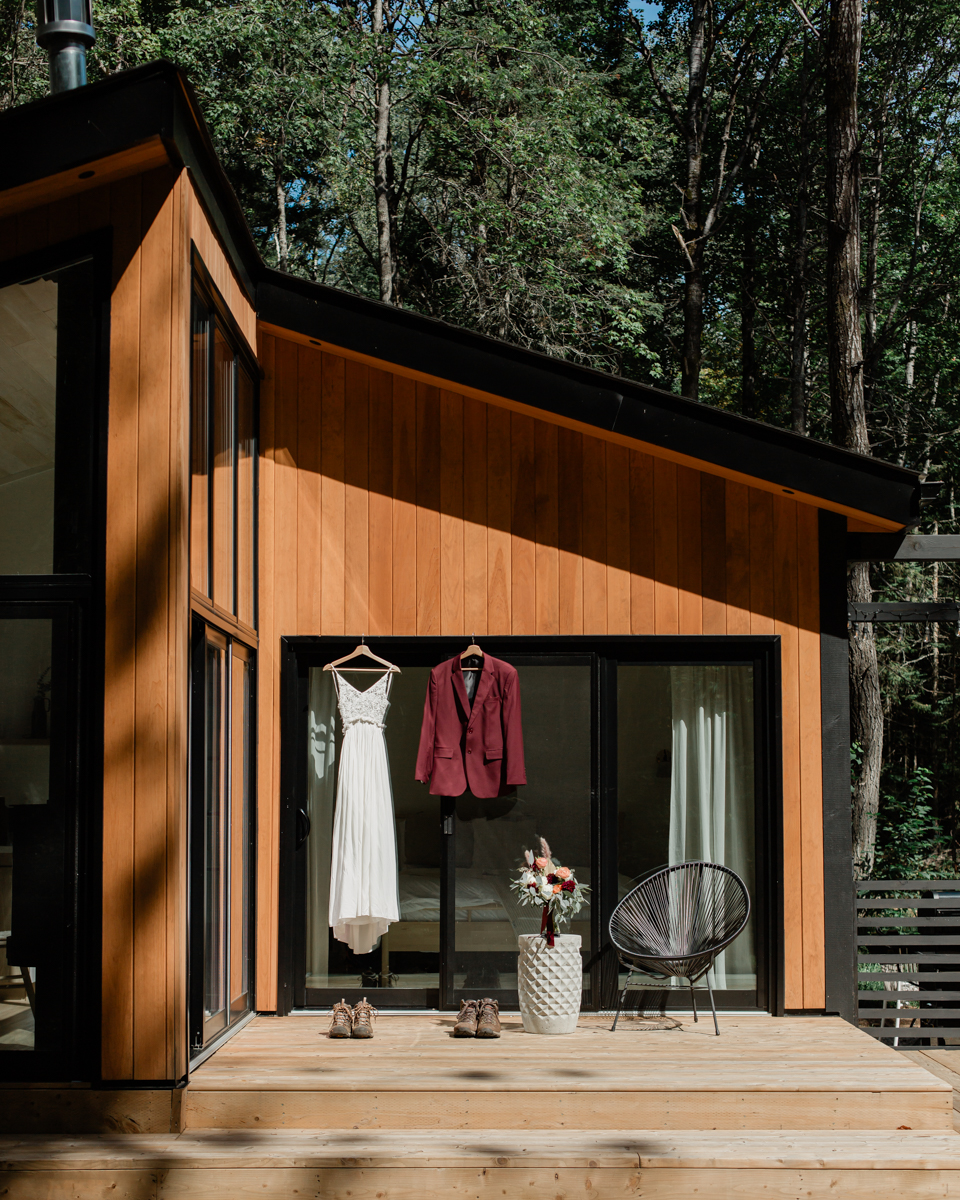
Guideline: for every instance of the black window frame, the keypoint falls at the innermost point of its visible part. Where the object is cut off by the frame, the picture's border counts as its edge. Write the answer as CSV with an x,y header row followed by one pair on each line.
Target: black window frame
x,y
299,653
75,596
205,293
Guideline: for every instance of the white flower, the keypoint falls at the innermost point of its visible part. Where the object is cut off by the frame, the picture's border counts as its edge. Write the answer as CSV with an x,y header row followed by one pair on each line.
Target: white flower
x,y
526,878
546,890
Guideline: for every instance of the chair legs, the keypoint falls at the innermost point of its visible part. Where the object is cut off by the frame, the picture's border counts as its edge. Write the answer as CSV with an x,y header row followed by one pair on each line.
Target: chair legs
x,y
693,1001
623,996
713,1007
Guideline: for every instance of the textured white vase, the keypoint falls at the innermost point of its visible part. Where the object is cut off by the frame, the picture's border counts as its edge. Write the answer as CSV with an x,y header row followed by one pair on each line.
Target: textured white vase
x,y
549,980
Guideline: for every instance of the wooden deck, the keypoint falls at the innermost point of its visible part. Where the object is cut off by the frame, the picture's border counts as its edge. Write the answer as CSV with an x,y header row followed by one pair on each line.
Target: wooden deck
x,y
773,1108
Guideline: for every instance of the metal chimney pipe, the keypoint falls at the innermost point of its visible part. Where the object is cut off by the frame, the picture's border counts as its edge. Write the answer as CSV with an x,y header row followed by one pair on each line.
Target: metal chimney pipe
x,y
65,30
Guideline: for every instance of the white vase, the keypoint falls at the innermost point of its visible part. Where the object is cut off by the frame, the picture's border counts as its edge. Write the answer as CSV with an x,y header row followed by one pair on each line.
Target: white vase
x,y
549,980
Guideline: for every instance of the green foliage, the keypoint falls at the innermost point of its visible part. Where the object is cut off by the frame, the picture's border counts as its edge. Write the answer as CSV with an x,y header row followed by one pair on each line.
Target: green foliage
x,y
910,841
534,175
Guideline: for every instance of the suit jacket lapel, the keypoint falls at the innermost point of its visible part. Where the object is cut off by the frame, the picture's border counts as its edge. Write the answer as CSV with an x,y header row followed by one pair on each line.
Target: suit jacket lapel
x,y
459,688
486,679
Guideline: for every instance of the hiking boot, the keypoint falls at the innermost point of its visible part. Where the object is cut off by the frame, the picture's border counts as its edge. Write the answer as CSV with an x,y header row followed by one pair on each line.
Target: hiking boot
x,y
363,1016
466,1025
488,1024
342,1020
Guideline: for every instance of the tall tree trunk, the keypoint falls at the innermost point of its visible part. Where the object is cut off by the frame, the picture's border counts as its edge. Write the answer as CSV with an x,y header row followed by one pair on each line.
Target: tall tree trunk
x,y
748,290
383,163
693,293
283,252
843,228
846,393
799,300
872,259
866,725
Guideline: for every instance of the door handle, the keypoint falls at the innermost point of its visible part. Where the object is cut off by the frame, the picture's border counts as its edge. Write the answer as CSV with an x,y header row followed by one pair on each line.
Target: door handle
x,y
303,827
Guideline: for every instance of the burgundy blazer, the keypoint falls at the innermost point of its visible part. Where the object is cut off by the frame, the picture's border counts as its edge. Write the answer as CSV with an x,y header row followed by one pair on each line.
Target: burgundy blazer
x,y
479,747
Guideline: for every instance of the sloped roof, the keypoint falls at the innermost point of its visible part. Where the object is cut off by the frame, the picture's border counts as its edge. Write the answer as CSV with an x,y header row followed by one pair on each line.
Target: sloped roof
x,y
59,134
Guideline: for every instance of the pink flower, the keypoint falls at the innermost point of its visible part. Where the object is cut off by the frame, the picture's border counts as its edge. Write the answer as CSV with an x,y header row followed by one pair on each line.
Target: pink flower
x,y
564,872
540,862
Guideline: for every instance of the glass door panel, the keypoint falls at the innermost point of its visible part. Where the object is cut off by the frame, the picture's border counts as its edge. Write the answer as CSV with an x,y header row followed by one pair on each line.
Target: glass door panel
x,y
31,837
214,999
492,834
685,774
459,921
221,853
407,959
240,828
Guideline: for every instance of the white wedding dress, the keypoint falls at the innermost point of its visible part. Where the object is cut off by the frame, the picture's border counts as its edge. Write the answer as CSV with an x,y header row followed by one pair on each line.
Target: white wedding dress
x,y
363,873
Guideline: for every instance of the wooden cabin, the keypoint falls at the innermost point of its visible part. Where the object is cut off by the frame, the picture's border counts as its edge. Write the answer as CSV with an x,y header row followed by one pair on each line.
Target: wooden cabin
x,y
215,479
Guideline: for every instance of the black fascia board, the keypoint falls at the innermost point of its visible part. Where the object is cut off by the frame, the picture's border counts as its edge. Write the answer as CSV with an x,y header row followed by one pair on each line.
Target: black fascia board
x,y
67,131
609,403
61,132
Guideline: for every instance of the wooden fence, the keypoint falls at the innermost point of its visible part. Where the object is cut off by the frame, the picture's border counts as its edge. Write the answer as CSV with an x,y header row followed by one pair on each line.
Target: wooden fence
x,y
908,961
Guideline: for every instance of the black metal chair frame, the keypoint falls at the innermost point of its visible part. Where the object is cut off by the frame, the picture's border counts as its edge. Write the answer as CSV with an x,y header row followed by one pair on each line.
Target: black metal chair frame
x,y
691,962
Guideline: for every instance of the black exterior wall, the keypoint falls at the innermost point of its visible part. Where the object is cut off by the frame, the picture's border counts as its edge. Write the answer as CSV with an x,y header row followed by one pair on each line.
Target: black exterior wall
x,y
838,897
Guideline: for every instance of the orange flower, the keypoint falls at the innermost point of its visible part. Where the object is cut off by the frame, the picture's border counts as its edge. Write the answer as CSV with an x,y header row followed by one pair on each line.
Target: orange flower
x,y
540,863
564,872
557,887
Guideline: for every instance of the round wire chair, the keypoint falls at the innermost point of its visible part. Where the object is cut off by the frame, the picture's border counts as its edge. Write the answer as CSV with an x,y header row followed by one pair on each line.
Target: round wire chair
x,y
676,921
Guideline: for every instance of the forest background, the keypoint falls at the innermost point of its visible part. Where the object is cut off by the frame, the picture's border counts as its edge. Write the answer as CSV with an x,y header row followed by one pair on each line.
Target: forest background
x,y
643,188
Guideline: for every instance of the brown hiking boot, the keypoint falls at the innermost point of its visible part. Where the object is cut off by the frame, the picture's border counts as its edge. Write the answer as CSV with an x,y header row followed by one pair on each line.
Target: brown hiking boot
x,y
466,1025
342,1021
363,1016
488,1026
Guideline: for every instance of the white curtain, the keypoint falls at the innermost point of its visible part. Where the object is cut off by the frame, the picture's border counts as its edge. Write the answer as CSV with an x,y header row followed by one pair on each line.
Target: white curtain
x,y
711,788
321,800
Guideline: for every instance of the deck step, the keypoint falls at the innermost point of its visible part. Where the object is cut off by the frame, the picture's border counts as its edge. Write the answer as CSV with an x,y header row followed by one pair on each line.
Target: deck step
x,y
335,1164
750,1095
761,1073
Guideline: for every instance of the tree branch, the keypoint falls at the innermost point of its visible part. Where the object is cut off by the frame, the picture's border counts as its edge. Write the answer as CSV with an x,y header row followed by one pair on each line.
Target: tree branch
x,y
657,82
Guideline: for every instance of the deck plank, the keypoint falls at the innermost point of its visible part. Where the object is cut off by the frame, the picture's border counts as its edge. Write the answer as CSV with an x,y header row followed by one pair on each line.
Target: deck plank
x,y
490,1148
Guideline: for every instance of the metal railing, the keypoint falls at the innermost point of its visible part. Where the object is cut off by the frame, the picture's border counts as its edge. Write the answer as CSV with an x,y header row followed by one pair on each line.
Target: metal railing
x,y
908,961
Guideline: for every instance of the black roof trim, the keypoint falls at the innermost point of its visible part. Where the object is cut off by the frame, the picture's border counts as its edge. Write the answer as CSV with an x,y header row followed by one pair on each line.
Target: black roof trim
x,y
590,397
72,128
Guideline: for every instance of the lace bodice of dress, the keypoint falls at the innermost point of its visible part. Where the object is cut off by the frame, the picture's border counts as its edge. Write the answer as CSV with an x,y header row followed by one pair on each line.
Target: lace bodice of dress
x,y
368,706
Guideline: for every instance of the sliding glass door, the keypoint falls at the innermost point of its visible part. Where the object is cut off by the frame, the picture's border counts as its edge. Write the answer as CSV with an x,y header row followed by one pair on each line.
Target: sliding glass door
x,y
459,920
686,786
221,833
639,753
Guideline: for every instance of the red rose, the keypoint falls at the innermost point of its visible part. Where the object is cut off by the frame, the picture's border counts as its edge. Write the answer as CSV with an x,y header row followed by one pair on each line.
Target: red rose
x,y
569,886
553,879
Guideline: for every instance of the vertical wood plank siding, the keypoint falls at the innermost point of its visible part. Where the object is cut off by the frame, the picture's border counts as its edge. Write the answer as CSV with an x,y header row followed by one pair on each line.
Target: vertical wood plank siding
x,y
441,514
154,217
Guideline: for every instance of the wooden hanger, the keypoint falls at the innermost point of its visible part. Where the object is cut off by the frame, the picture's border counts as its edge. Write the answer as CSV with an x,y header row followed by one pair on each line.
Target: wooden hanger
x,y
364,650
471,650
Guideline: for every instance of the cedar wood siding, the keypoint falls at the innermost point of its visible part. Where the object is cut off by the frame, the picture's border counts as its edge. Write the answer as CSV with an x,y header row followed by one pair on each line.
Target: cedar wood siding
x,y
154,217
389,506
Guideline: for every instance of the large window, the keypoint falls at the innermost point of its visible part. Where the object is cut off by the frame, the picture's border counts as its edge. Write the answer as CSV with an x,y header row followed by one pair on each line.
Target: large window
x,y
52,308
47,348
222,461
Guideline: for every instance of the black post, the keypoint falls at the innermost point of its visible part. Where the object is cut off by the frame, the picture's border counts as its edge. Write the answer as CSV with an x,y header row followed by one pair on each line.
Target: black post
x,y
840,950
448,902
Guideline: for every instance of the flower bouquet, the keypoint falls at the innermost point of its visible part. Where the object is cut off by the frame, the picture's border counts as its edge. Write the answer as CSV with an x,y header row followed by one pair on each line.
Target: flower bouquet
x,y
544,883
